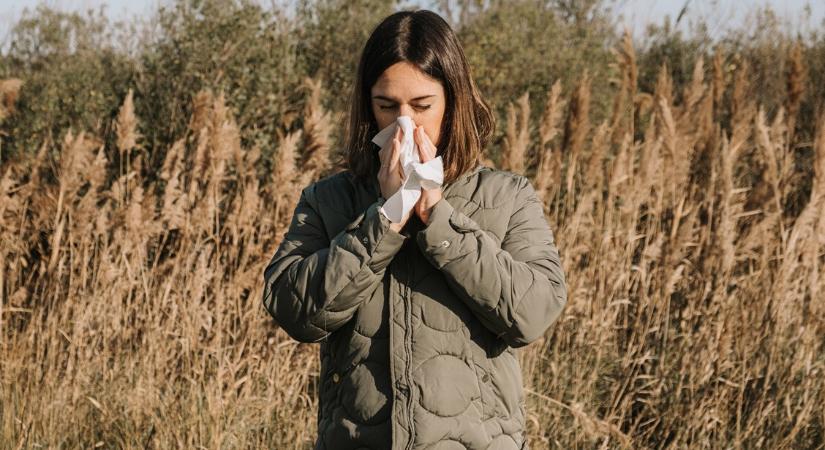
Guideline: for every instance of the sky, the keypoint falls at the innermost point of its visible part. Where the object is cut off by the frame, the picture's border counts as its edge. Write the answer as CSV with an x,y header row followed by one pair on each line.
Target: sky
x,y
719,14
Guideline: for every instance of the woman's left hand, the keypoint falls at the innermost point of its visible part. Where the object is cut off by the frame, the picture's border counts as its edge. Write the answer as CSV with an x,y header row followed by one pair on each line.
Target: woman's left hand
x,y
429,197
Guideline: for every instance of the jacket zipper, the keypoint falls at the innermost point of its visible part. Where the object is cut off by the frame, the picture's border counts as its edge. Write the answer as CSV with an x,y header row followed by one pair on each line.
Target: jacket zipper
x,y
408,345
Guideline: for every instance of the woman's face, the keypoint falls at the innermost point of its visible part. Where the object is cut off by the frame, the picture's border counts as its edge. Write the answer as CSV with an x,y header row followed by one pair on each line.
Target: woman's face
x,y
404,90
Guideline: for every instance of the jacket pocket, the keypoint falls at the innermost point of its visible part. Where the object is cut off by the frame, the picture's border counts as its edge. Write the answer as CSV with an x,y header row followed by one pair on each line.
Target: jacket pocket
x,y
510,380
484,376
342,358
325,391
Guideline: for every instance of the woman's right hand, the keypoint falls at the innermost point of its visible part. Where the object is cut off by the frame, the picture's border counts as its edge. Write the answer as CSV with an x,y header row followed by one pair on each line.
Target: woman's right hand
x,y
391,174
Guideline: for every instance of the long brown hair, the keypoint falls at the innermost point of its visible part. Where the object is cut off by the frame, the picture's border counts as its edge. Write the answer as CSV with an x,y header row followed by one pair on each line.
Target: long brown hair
x,y
425,40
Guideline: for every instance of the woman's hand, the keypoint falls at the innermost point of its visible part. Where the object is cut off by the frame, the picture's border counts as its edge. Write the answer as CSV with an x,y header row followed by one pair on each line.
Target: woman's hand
x,y
390,175
429,197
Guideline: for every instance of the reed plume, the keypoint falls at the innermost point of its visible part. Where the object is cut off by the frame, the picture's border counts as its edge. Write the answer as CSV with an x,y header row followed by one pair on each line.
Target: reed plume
x,y
576,127
286,178
315,156
796,78
624,102
549,164
517,139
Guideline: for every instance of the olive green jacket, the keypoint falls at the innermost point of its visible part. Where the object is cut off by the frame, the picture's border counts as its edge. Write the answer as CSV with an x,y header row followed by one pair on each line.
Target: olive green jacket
x,y
418,329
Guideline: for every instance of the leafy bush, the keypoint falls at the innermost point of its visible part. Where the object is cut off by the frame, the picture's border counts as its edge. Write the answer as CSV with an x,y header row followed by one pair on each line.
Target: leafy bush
x,y
74,77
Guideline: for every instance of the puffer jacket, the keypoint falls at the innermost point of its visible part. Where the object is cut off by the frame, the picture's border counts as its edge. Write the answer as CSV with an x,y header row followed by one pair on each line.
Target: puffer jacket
x,y
418,329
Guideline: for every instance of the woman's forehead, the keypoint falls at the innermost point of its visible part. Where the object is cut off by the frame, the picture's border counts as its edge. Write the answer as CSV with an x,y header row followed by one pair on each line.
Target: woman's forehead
x,y
405,81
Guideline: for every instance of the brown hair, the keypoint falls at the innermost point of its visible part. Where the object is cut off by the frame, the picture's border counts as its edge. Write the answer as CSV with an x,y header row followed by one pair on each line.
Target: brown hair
x,y
425,40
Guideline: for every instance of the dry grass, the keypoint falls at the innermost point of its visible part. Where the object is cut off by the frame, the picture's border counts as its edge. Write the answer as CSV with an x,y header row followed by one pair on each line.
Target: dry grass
x,y
131,316
517,139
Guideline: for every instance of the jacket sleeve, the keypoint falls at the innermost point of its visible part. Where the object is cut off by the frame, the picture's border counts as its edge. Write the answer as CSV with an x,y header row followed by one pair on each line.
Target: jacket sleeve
x,y
313,285
517,290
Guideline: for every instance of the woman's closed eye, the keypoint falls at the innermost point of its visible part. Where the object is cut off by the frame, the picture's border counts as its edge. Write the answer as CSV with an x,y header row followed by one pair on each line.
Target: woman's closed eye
x,y
421,107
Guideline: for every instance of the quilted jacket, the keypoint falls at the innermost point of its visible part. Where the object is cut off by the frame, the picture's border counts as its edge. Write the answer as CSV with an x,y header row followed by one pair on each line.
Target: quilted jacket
x,y
418,330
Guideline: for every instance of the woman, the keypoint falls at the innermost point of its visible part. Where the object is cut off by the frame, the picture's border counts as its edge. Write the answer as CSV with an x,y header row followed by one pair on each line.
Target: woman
x,y
418,320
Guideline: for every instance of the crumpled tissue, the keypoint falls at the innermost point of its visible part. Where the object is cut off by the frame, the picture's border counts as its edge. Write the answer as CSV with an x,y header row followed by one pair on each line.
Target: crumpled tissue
x,y
429,175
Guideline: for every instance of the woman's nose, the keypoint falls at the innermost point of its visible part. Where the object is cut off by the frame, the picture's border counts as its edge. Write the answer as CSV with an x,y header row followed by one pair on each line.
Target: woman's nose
x,y
407,110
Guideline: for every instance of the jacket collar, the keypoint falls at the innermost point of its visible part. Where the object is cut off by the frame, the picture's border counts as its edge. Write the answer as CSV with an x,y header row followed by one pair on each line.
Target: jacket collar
x,y
465,177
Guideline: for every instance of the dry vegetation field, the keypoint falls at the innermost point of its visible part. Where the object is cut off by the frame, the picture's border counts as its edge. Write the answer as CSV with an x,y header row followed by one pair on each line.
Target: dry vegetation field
x,y
131,312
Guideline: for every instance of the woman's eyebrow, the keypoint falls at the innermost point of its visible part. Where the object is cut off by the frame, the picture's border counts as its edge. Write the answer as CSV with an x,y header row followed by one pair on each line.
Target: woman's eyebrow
x,y
381,97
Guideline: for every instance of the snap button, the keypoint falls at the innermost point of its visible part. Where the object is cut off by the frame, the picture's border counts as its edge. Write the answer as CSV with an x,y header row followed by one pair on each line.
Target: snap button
x,y
445,243
336,378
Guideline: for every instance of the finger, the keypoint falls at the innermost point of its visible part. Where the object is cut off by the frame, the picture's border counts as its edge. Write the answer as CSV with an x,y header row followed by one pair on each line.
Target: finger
x,y
427,146
395,155
384,153
387,149
419,144
386,156
423,148
395,162
428,143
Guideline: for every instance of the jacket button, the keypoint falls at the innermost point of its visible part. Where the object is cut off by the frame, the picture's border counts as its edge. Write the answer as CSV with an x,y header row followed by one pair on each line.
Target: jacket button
x,y
336,378
365,240
485,378
445,243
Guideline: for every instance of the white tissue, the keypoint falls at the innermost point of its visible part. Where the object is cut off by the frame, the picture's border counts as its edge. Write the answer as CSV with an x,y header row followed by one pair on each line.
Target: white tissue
x,y
429,175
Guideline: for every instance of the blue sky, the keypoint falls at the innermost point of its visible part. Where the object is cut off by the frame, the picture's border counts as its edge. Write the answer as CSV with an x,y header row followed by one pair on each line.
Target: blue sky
x,y
719,14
